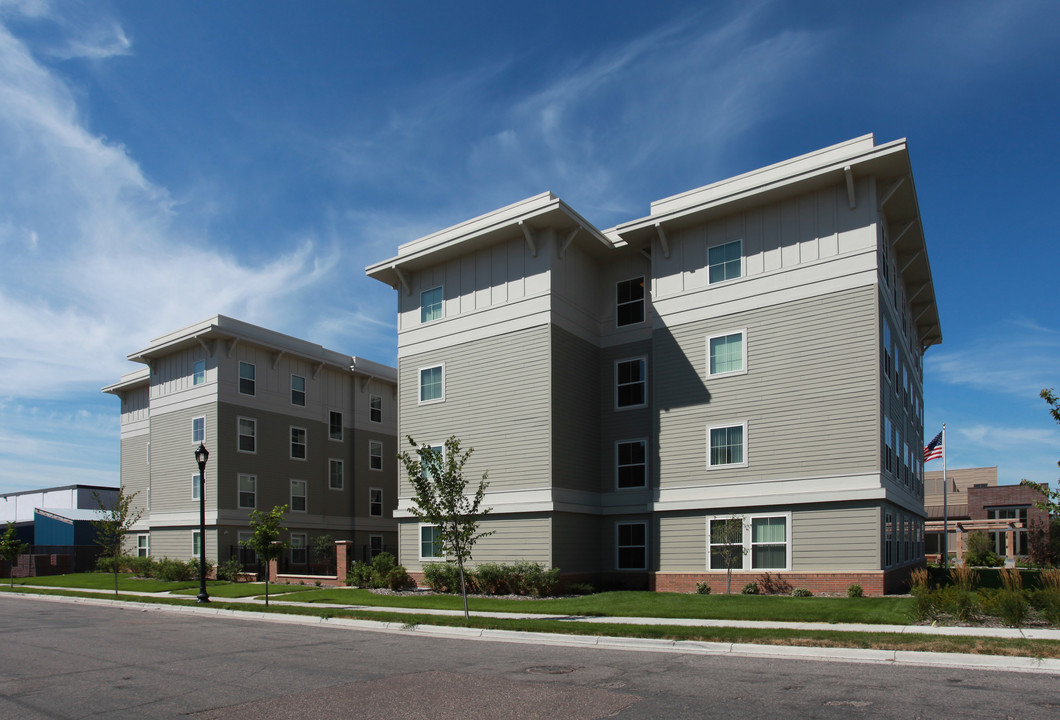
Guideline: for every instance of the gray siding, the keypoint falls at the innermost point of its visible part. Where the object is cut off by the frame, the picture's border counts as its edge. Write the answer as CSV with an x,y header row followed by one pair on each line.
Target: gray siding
x,y
173,459
576,417
578,547
812,373
515,538
838,537
136,473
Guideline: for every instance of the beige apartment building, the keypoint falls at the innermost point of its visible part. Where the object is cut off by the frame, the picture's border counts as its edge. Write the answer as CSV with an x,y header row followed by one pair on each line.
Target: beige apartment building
x,y
286,422
752,348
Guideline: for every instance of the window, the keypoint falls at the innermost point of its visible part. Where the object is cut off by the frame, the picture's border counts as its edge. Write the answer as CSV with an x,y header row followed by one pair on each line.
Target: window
x,y
769,543
375,411
431,305
725,445
244,553
631,385
335,426
431,542
631,463
143,546
432,384
196,484
298,390
727,354
375,455
198,372
298,549
886,350
632,546
375,502
725,541
248,435
335,477
248,491
725,261
196,542
375,544
1019,537
761,541
298,495
297,443
630,302
888,444
198,430
888,539
247,373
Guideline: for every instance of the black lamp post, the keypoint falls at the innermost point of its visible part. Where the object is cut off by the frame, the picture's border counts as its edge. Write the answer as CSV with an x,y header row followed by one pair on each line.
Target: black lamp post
x,y
201,456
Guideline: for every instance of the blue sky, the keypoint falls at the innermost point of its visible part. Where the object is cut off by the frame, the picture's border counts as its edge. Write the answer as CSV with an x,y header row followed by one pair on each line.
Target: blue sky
x,y
161,162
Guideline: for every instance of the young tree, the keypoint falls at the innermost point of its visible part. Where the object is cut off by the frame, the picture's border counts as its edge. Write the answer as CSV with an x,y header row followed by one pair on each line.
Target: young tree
x,y
726,542
437,477
1051,503
10,548
111,529
265,540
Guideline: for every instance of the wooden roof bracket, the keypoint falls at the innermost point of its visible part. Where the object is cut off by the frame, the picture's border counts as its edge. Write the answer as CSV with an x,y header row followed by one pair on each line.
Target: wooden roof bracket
x,y
892,190
664,242
528,233
209,347
403,279
568,241
851,196
276,358
231,346
316,370
912,259
904,229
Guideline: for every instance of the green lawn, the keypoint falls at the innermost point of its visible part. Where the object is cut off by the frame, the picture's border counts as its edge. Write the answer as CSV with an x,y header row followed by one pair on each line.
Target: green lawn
x,y
876,610
241,590
105,581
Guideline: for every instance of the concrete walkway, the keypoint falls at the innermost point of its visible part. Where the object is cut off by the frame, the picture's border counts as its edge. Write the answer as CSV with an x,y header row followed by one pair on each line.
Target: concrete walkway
x,y
962,660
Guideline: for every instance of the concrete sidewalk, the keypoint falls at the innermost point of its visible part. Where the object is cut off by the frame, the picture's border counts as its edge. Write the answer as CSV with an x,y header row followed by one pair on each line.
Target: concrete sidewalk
x,y
958,660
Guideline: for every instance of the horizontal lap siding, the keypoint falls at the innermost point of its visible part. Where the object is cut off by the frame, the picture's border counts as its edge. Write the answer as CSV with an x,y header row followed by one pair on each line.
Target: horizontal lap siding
x,y
515,538
576,429
836,538
496,401
173,459
682,542
136,473
176,543
809,397
577,542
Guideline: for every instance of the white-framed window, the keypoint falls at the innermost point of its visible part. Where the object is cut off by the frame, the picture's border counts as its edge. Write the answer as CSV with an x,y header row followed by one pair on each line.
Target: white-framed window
x,y
198,372
248,491
299,545
375,502
298,443
335,475
431,304
631,383
198,430
143,545
629,302
298,390
196,484
298,501
631,545
196,540
888,539
147,452
375,408
764,544
248,435
432,384
727,445
631,464
375,544
888,444
725,262
375,455
727,353
720,539
887,360
431,543
247,378
335,426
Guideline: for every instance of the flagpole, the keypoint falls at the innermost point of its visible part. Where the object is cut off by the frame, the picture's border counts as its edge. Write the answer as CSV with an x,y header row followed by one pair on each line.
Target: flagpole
x,y
945,507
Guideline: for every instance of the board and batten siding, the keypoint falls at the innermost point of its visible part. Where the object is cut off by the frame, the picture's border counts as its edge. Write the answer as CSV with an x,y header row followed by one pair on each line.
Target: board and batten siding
x,y
809,396
575,367
811,227
515,538
496,401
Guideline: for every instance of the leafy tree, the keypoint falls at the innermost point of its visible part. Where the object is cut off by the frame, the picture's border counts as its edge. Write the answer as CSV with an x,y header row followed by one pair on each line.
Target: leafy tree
x,y
111,529
726,540
324,549
1051,503
10,548
265,538
441,500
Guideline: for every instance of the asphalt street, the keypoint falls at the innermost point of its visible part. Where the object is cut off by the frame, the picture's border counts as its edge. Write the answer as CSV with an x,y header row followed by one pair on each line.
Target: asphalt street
x,y
67,660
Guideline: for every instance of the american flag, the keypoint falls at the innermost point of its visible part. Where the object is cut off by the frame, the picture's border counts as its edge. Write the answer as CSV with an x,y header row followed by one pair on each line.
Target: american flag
x,y
933,449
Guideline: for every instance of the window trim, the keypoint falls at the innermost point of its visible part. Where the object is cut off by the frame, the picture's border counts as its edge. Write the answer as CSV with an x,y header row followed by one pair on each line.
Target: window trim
x,y
304,390
379,502
419,383
240,435
304,548
618,466
372,408
342,474
239,491
643,301
746,444
441,304
304,443
194,440
198,378
372,445
342,430
196,483
644,381
254,380
747,559
419,543
743,269
382,545
618,547
146,546
304,495
742,332
194,536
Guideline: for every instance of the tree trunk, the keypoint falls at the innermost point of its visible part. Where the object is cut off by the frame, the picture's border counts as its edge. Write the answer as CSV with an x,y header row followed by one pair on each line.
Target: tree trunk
x,y
266,591
728,580
116,576
463,586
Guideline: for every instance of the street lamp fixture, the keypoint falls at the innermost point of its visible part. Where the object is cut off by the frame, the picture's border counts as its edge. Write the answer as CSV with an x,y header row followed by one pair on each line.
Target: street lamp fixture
x,y
201,456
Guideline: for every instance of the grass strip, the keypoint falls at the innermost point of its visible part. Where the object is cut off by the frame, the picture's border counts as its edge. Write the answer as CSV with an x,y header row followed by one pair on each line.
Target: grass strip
x,y
1011,647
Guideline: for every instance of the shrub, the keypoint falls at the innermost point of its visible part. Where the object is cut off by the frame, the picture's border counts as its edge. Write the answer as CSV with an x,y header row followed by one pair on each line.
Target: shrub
x,y
964,577
231,570
492,578
855,591
140,566
957,601
537,580
397,578
702,588
585,589
176,570
1047,603
750,588
919,581
442,576
981,550
382,564
359,575
801,592
1049,579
